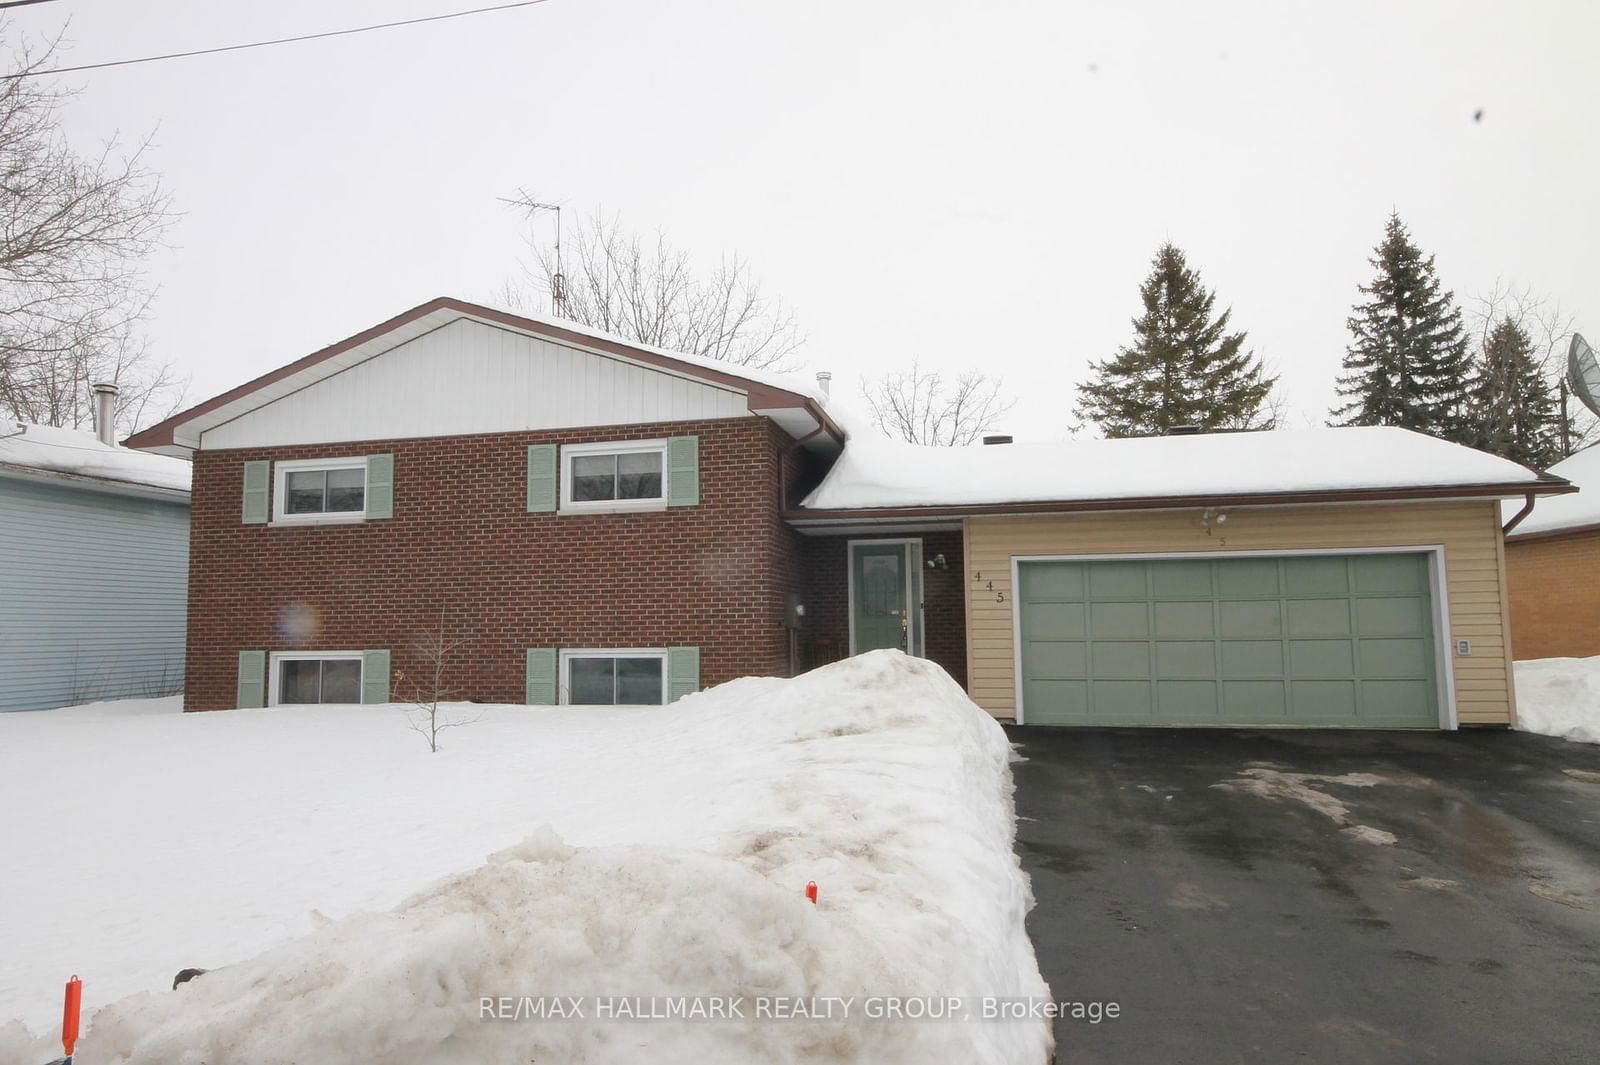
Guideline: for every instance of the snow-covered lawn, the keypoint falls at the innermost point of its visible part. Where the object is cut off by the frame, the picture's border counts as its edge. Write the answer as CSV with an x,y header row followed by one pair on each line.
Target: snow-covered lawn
x,y
640,852
1560,697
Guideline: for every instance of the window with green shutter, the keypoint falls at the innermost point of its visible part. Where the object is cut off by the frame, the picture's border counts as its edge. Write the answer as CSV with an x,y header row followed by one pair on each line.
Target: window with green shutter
x,y
683,478
683,672
542,493
374,676
252,689
257,477
540,685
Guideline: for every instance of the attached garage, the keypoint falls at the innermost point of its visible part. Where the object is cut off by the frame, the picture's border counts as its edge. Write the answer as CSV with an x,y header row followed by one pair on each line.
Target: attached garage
x,y
1304,639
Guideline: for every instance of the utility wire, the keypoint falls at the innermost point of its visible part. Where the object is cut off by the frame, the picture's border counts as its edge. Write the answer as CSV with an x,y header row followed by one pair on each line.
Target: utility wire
x,y
21,3
260,44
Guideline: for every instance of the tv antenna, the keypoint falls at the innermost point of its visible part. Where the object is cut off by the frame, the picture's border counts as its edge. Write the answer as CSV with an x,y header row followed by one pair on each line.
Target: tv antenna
x,y
558,280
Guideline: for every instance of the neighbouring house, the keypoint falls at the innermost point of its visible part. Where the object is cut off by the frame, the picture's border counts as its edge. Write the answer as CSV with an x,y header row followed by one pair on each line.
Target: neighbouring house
x,y
94,561
1553,568
609,524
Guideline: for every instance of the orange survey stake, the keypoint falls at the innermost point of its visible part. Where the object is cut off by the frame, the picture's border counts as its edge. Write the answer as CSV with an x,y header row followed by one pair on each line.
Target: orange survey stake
x,y
69,1015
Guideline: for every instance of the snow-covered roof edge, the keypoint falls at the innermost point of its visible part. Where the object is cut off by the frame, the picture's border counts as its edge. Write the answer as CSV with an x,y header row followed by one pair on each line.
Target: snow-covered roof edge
x,y
1567,514
44,451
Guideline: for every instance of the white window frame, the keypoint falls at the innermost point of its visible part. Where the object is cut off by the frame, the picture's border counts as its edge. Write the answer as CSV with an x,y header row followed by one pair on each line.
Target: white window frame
x,y
564,685
280,496
612,506
276,657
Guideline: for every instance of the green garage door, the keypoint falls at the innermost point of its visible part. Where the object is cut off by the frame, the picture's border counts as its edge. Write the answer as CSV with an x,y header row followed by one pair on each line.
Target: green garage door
x,y
1307,640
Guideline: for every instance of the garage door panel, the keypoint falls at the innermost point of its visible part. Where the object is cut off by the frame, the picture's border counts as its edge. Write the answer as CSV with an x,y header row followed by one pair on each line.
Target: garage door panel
x,y
1322,702
1319,617
1252,658
1395,658
1055,659
1120,659
1121,700
1187,700
1186,658
1192,621
1057,702
1325,640
1186,579
1238,577
1113,620
1322,658
1250,617
1392,615
1055,621
1316,576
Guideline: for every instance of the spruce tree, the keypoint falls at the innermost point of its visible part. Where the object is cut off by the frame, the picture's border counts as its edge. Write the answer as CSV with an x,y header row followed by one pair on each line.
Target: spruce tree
x,y
1408,364
1513,405
1183,367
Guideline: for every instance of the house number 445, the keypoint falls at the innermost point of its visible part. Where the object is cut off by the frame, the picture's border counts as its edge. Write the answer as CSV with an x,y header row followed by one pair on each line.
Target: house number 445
x,y
977,578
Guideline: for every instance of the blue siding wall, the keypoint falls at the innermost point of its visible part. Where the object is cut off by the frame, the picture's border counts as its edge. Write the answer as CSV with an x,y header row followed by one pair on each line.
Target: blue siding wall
x,y
93,595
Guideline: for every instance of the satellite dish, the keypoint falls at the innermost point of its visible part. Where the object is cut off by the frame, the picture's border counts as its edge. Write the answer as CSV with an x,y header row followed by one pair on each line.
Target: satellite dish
x,y
1583,372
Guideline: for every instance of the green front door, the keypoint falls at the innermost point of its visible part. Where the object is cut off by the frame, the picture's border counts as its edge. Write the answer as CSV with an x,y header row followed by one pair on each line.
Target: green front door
x,y
1320,640
879,600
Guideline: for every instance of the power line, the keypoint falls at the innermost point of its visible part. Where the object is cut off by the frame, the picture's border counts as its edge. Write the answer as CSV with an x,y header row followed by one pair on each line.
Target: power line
x,y
261,44
22,3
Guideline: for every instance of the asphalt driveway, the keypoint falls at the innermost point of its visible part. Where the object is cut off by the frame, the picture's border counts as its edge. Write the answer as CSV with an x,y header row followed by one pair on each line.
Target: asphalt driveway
x,y
1316,897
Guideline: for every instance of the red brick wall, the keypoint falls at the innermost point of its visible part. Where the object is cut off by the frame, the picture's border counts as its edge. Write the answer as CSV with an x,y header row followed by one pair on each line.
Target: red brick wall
x,y
944,613
461,544
1554,587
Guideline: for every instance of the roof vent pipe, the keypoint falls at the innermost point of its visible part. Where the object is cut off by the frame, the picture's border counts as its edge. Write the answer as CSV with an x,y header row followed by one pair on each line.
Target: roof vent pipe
x,y
1184,430
823,379
997,438
105,412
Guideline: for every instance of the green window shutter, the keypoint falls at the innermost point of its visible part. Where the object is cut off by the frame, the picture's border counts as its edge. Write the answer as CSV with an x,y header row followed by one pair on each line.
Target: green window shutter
x,y
252,691
683,672
380,487
540,688
257,477
374,676
541,478
683,471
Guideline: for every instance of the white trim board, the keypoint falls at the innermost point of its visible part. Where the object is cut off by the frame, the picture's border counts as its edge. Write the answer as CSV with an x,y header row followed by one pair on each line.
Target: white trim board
x,y
1443,661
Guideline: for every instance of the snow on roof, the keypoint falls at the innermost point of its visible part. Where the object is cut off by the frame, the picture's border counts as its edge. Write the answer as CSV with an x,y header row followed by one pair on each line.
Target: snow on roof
x,y
54,450
882,473
1569,511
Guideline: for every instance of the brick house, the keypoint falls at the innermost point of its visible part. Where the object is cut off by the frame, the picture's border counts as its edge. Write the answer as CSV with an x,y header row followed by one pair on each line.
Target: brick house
x,y
1553,569
609,524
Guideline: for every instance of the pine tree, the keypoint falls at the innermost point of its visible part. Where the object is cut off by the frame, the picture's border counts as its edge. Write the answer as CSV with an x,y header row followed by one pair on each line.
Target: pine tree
x,y
1513,405
1408,364
1183,368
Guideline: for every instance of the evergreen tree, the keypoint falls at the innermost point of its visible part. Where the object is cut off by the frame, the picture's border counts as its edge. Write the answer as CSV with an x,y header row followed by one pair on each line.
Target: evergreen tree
x,y
1183,368
1409,363
1514,407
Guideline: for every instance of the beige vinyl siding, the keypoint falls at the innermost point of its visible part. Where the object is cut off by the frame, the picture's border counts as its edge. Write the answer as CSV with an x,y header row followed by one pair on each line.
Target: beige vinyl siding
x,y
1468,531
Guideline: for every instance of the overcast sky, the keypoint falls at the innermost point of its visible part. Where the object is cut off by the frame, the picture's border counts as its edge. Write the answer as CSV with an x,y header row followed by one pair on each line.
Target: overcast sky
x,y
978,184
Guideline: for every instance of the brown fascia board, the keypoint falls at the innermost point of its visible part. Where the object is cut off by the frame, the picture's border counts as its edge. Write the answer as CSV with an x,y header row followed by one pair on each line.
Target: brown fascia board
x,y
759,395
1551,486
1548,535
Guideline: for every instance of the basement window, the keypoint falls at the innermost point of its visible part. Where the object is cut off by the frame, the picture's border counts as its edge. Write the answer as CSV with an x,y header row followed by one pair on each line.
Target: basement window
x,y
308,677
614,678
614,476
313,490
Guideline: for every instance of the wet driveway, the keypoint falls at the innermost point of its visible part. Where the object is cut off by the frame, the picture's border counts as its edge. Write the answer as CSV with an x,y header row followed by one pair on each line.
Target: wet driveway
x,y
1316,897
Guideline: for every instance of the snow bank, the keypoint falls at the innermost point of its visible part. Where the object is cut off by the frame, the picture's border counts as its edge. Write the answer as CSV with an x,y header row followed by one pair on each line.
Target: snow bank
x,y
44,447
875,776
884,473
1568,511
1560,697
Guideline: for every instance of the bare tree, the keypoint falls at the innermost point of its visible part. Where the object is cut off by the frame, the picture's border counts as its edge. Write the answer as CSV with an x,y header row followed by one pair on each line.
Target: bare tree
x,y
649,292
74,231
1549,331
426,692
926,407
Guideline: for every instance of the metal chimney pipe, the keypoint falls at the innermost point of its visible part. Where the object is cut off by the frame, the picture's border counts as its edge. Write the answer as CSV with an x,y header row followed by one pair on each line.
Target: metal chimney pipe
x,y
105,412
823,379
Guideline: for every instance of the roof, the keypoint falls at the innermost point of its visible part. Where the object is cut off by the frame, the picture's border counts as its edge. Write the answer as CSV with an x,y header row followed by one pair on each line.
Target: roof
x,y
71,453
1572,512
791,401
1283,466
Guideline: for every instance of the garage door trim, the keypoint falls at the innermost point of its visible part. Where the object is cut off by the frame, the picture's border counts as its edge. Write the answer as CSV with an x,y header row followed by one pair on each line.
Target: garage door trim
x,y
1439,586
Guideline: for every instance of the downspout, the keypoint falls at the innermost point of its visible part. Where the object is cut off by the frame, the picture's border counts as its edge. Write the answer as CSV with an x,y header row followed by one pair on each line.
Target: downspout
x,y
1516,519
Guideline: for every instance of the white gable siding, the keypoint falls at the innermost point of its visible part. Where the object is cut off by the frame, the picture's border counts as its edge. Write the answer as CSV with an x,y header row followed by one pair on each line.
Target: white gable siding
x,y
467,377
